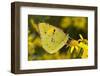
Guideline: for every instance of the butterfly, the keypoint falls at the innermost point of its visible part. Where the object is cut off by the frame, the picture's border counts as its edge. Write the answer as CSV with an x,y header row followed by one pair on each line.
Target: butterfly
x,y
52,38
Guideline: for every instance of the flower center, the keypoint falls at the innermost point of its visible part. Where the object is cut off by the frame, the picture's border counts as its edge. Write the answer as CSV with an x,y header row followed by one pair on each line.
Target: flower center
x,y
73,43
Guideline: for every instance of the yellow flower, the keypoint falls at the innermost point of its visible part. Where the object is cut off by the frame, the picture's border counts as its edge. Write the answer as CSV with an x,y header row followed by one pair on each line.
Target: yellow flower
x,y
77,45
82,39
65,22
74,45
85,49
80,22
84,45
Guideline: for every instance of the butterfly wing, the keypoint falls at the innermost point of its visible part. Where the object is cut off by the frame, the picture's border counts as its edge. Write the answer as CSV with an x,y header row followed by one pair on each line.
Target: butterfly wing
x,y
52,38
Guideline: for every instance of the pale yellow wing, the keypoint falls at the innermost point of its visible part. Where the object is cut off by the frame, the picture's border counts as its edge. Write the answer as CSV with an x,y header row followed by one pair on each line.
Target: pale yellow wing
x,y
52,38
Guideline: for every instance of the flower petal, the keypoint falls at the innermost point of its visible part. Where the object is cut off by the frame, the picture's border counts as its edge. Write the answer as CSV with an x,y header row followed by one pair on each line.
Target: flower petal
x,y
76,47
81,36
72,48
